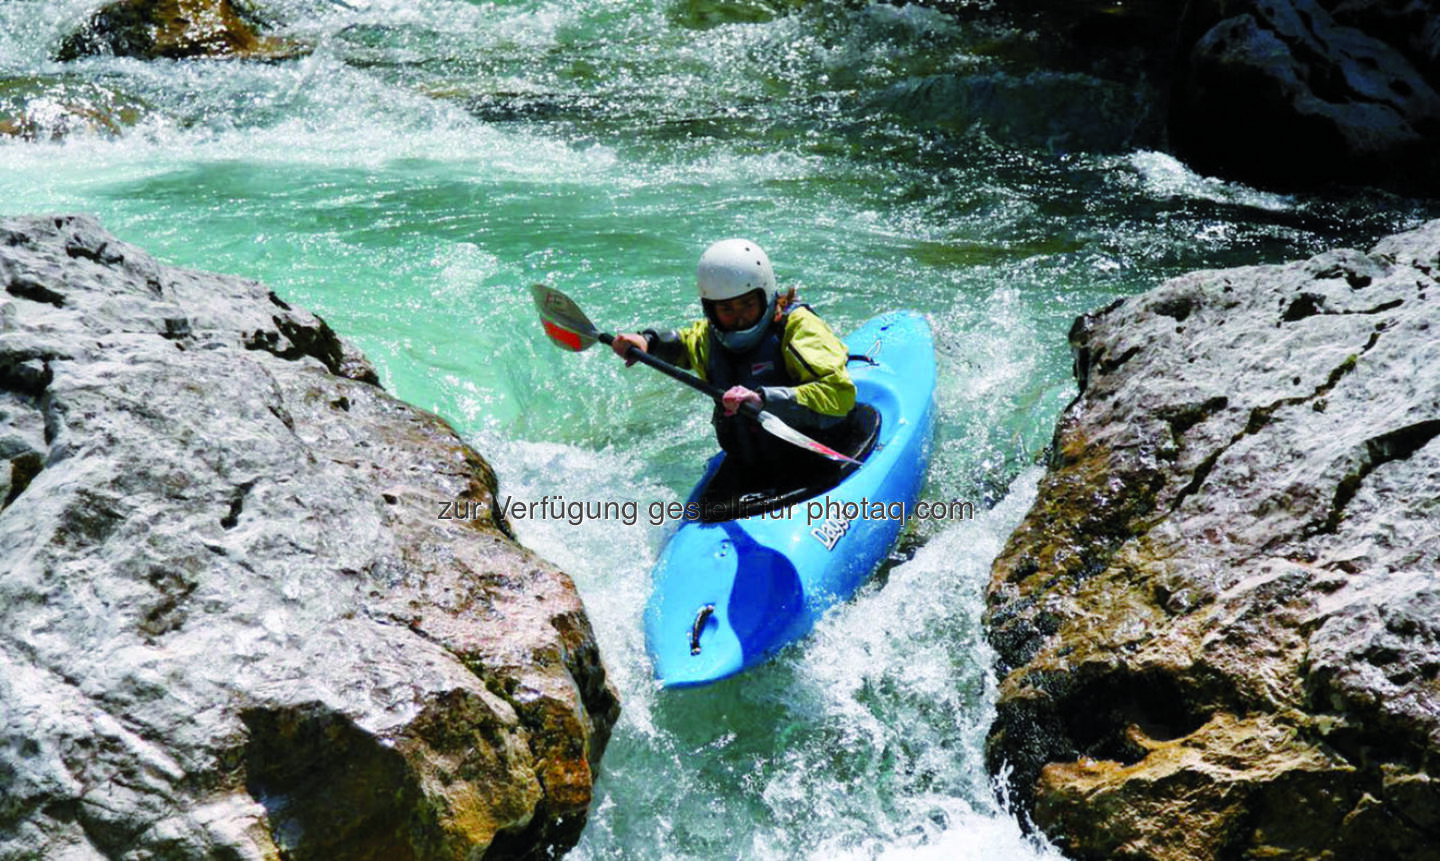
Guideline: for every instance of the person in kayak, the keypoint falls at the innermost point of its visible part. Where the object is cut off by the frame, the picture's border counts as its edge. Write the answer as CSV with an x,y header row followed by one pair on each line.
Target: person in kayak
x,y
763,348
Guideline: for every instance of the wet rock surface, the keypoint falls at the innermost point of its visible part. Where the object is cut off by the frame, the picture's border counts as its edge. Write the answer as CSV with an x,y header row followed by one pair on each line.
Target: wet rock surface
x,y
56,107
252,606
176,29
1294,94
1301,92
1219,626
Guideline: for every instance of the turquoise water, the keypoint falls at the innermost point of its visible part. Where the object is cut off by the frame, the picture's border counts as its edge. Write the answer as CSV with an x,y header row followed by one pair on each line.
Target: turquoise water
x,y
429,160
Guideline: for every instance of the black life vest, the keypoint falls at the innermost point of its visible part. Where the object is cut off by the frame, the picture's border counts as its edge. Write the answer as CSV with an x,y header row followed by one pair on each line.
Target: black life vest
x,y
760,366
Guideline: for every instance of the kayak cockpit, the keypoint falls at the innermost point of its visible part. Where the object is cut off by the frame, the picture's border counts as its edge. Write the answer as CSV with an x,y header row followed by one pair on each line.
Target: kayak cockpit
x,y
733,492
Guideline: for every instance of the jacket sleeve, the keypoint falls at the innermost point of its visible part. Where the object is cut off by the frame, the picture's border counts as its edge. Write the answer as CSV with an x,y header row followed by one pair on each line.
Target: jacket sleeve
x,y
684,348
817,358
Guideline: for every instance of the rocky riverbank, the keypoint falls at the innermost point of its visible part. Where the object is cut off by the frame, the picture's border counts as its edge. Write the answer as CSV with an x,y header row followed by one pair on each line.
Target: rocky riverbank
x,y
233,622
1219,626
1294,94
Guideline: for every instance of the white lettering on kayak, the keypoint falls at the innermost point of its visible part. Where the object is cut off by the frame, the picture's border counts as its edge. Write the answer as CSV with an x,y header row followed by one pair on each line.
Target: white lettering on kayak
x,y
831,531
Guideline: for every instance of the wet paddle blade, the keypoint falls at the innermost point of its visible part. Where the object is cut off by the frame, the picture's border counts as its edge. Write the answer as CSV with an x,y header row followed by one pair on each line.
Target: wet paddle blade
x,y
776,427
564,322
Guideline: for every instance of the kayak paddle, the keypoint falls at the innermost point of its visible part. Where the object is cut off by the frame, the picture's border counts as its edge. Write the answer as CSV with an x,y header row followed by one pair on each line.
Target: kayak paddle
x,y
569,328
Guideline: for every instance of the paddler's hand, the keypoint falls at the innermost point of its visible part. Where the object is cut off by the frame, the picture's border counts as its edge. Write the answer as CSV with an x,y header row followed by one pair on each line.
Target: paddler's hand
x,y
622,344
738,395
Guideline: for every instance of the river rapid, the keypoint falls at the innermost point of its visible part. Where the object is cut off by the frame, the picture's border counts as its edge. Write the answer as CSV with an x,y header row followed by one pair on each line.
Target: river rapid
x,y
427,161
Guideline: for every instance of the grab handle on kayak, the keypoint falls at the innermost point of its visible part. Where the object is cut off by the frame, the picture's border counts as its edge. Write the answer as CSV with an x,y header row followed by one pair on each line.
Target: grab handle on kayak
x,y
700,619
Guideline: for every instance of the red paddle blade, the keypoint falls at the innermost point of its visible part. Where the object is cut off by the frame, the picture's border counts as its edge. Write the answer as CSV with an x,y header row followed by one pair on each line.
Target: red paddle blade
x,y
564,322
564,337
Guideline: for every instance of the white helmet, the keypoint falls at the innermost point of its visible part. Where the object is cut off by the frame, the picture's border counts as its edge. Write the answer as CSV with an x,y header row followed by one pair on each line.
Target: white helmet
x,y
732,268
729,269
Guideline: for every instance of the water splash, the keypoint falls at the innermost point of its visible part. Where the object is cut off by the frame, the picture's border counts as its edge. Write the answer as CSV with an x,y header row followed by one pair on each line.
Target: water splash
x,y
865,739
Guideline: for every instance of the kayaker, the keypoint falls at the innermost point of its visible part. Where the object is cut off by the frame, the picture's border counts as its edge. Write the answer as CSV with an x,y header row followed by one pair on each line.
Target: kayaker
x,y
762,347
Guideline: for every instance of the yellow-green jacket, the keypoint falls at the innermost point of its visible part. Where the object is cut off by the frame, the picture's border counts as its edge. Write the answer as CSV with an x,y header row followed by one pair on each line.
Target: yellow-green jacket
x,y
822,392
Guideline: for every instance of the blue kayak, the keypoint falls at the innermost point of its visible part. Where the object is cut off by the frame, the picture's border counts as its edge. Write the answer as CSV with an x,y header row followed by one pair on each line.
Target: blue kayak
x,y
749,571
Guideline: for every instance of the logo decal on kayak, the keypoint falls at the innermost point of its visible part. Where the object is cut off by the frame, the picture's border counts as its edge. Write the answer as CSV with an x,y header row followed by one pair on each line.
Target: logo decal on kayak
x,y
831,531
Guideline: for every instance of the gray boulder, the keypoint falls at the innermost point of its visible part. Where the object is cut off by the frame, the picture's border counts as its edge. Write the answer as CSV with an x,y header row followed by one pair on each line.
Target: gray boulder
x,y
251,606
1219,626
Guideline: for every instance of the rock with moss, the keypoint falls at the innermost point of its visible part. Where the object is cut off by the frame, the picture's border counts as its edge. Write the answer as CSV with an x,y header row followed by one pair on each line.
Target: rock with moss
x,y
251,605
176,29
1219,626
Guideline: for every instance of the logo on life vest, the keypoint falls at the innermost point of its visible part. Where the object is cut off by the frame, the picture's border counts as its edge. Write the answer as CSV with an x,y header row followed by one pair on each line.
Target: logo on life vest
x,y
761,367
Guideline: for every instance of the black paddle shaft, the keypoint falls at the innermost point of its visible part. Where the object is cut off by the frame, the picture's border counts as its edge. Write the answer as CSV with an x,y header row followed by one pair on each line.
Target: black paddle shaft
x,y
669,370
568,326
